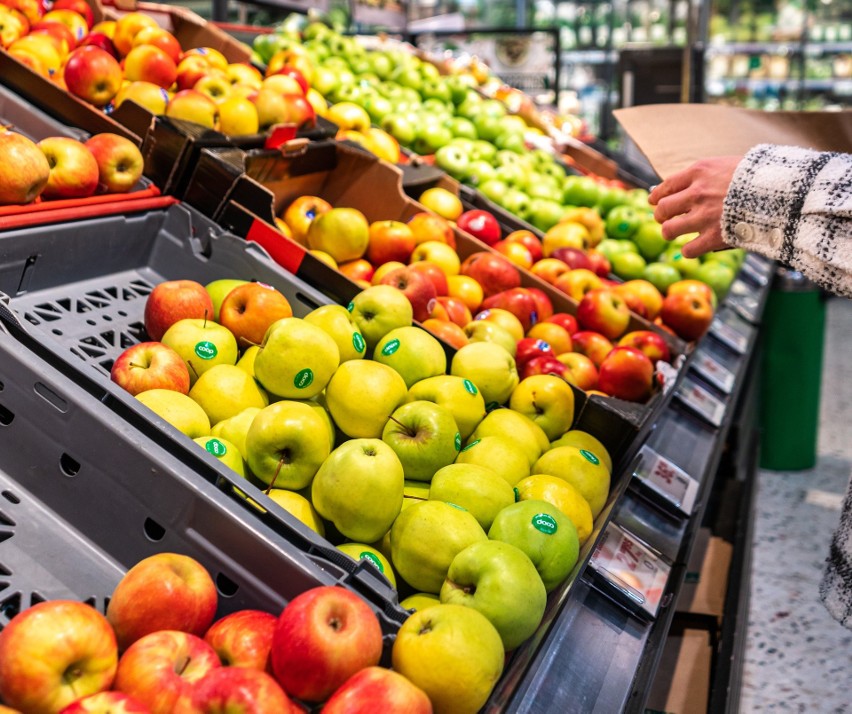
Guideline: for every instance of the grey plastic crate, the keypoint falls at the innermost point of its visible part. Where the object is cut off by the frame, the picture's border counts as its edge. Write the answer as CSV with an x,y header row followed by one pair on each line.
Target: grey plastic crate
x,y
76,293
23,117
84,496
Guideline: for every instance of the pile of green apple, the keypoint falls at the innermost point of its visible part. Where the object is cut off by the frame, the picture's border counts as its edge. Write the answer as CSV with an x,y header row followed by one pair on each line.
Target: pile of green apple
x,y
461,482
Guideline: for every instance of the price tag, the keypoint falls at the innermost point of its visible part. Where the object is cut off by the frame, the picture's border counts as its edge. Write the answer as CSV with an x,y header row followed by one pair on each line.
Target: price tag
x,y
728,335
700,401
714,372
668,480
755,274
758,262
747,306
630,570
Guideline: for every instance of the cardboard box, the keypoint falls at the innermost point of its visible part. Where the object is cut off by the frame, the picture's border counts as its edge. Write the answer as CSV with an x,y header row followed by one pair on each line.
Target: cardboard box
x,y
706,580
667,133
682,685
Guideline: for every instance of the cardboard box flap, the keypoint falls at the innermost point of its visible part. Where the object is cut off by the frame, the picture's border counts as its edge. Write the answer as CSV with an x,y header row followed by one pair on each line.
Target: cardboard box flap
x,y
673,136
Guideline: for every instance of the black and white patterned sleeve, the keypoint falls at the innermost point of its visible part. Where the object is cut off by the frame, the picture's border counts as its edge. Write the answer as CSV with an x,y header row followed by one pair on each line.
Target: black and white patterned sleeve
x,y
795,205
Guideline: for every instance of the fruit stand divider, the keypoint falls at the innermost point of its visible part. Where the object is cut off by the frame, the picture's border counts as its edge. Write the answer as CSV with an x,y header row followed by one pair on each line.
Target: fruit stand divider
x,y
22,116
79,289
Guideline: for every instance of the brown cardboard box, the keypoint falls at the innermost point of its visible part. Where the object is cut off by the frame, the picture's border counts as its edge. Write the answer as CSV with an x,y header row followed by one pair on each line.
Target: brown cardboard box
x,y
673,136
706,580
682,685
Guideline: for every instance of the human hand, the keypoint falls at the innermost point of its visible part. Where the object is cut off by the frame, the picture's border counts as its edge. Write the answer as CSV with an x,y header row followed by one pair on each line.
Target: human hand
x,y
691,201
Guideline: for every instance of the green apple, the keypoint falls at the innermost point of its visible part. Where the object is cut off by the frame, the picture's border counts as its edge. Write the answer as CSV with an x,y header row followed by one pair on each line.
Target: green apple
x,y
380,64
286,444
494,188
688,267
218,291
225,451
469,107
426,537
319,406
487,331
460,126
498,453
359,489
457,394
299,507
325,80
661,275
418,490
628,265
500,581
460,86
582,469
432,137
419,601
584,440
407,77
717,275
516,178
246,360
202,344
378,310
361,396
363,551
487,127
413,352
478,173
516,427
544,533
479,490
542,186
436,89
547,400
235,428
336,321
424,436
649,239
580,191
179,410
544,213
453,653
452,159
515,201
510,141
490,367
296,359
399,128
483,151
378,107
226,390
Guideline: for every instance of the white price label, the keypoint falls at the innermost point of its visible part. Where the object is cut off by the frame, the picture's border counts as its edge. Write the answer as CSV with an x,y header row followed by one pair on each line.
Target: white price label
x,y
707,406
755,274
667,479
631,568
717,374
729,336
758,262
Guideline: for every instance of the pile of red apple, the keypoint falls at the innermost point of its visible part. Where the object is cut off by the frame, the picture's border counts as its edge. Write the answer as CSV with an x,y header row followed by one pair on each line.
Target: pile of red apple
x,y
159,650
59,167
133,58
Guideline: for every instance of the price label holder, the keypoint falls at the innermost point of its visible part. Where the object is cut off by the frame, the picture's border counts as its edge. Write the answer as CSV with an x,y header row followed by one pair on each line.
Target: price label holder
x,y
731,330
755,274
744,299
629,571
713,371
700,401
676,490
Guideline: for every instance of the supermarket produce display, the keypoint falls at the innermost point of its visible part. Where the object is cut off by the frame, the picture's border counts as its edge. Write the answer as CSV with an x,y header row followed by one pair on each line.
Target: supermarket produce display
x,y
345,386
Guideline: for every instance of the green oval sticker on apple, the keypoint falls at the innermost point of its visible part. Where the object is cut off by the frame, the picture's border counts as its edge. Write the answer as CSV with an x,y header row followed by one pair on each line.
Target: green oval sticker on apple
x,y
470,387
216,447
589,456
358,342
372,559
454,505
303,379
517,495
471,445
206,350
458,442
351,305
544,523
390,348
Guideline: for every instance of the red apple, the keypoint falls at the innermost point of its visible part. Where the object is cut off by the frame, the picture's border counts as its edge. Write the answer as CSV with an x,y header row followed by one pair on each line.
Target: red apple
x,y
627,374
447,331
120,162
243,638
175,300
436,276
600,264
563,319
376,689
241,691
359,269
418,288
53,653
579,370
456,310
603,311
24,170
100,40
549,269
430,226
389,241
518,301
543,364
440,254
323,637
555,335
528,239
162,668
647,293
192,105
92,74
190,69
165,591
493,272
299,111
576,283
530,347
689,314
592,344
150,365
543,304
73,169
516,253
79,6
58,30
573,257
163,39
649,343
481,225
147,63
290,71
105,703
301,213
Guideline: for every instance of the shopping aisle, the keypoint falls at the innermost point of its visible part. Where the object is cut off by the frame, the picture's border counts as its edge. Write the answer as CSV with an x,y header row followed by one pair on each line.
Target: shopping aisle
x,y
798,658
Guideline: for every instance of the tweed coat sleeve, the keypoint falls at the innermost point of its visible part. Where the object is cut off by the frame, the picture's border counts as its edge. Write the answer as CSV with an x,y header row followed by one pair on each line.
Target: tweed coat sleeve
x,y
795,205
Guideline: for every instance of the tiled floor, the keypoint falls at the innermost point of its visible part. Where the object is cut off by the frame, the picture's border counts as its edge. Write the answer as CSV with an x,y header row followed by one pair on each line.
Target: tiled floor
x,y
798,658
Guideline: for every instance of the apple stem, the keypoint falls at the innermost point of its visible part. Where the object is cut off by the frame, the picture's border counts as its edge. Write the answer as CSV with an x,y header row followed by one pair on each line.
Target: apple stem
x,y
133,364
408,430
275,476
205,319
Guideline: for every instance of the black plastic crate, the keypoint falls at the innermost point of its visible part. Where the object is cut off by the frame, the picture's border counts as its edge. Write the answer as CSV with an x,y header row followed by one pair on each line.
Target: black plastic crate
x,y
76,293
18,114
